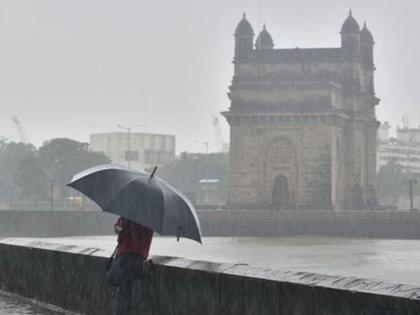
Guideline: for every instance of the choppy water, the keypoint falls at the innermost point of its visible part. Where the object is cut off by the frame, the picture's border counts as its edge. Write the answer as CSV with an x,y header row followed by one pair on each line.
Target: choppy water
x,y
390,260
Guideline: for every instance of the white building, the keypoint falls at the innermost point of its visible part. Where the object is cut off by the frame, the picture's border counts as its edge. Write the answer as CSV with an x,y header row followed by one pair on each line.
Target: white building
x,y
404,149
383,132
137,150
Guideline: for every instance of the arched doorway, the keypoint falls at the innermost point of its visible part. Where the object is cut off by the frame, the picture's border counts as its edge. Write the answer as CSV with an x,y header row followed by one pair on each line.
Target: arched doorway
x,y
281,174
280,194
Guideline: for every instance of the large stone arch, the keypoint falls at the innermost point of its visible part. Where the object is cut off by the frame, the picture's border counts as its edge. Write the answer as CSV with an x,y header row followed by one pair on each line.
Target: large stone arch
x,y
281,170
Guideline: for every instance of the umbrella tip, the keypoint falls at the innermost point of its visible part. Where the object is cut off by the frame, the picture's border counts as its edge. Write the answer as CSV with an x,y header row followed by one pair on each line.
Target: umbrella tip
x,y
153,173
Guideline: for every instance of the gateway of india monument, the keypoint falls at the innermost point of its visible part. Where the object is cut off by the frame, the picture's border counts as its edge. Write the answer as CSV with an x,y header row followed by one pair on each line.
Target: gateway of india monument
x,y
303,124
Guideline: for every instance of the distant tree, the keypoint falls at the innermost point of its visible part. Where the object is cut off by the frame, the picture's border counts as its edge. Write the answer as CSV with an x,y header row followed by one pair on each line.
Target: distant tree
x,y
3,142
26,173
3,175
31,179
390,183
189,168
21,176
61,158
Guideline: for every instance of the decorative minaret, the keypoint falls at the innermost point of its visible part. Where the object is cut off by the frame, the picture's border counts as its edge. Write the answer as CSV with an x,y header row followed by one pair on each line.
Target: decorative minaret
x,y
244,38
366,49
350,39
366,43
264,40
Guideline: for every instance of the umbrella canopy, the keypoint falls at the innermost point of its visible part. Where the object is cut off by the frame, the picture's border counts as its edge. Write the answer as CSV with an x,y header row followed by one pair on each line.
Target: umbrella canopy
x,y
141,198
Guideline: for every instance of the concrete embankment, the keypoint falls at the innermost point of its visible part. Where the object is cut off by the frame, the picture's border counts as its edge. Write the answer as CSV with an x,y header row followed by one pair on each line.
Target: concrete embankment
x,y
72,277
363,224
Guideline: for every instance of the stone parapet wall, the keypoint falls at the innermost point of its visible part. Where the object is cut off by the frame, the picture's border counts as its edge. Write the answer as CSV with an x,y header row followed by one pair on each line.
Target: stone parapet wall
x,y
374,224
73,278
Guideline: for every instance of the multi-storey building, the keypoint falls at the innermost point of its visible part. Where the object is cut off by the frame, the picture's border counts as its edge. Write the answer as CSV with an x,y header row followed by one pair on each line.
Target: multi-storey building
x,y
403,150
137,150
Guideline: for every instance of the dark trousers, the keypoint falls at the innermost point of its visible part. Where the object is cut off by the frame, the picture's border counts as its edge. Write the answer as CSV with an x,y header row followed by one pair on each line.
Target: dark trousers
x,y
124,270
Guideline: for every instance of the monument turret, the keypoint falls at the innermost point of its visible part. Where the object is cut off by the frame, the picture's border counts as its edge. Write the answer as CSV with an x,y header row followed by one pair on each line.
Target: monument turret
x,y
366,43
264,40
366,49
350,38
244,38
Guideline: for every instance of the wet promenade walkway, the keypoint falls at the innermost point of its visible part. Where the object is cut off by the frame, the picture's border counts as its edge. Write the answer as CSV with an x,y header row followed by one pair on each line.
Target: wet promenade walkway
x,y
15,305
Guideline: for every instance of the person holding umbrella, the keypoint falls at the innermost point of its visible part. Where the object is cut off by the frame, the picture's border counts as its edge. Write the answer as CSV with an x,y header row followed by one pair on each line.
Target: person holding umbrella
x,y
131,255
144,203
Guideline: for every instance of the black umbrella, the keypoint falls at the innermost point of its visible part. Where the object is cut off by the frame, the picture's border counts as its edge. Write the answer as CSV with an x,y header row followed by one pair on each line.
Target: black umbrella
x,y
141,198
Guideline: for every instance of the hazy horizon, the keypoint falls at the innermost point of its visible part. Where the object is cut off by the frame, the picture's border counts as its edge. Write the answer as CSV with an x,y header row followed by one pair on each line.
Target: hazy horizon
x,y
72,68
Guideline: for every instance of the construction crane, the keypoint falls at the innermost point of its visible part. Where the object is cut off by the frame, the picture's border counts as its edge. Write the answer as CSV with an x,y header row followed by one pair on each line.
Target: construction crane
x,y
20,130
221,144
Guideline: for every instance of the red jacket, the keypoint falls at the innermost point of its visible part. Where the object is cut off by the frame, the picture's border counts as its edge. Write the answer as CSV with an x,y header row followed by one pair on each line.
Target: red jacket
x,y
133,238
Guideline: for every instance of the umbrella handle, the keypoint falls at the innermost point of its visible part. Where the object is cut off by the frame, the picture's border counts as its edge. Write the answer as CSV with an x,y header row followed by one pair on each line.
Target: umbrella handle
x,y
179,229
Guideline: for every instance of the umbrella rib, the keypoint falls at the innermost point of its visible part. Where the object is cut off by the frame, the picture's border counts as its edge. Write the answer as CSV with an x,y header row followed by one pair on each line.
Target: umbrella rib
x,y
163,212
165,185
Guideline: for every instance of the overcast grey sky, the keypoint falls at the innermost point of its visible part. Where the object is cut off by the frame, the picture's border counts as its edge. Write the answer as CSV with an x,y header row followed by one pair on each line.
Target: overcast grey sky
x,y
69,68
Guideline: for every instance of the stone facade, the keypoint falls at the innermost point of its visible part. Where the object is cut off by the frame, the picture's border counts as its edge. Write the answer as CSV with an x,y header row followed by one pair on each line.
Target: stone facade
x,y
303,124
